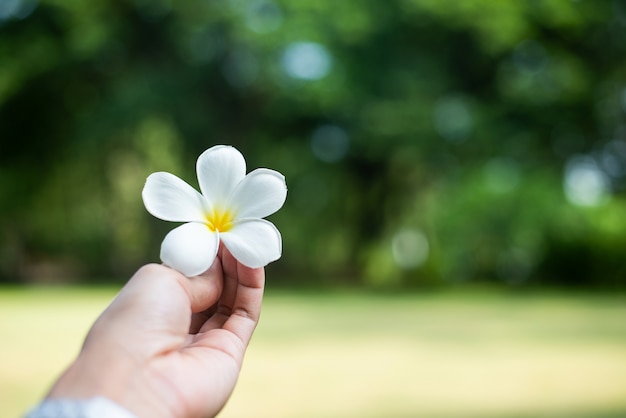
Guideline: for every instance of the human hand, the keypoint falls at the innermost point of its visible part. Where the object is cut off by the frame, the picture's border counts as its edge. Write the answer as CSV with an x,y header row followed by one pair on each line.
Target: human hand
x,y
168,345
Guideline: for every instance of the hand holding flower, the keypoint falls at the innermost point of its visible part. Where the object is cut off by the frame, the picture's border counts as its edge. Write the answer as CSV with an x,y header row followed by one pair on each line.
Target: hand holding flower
x,y
169,345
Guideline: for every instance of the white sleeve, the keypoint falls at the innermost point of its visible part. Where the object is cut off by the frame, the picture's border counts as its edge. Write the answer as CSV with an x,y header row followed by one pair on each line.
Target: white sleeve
x,y
98,407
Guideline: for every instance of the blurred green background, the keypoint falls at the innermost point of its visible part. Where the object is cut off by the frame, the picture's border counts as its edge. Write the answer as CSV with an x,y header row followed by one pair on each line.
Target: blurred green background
x,y
424,142
427,144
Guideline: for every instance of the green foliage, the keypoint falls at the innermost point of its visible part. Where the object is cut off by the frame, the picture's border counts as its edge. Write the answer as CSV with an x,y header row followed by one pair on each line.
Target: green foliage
x,y
424,142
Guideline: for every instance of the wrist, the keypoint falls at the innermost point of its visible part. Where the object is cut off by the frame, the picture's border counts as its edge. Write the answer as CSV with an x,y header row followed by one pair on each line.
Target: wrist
x,y
97,407
107,376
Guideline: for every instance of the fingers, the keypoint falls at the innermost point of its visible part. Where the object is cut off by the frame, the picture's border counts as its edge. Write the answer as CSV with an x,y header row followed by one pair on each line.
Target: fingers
x,y
205,290
239,308
240,288
243,293
167,294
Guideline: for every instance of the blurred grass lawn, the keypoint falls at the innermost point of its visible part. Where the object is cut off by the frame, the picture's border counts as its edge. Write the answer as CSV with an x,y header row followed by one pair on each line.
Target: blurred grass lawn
x,y
363,355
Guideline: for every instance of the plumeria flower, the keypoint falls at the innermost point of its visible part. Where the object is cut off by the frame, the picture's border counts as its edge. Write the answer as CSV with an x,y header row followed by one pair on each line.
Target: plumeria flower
x,y
229,210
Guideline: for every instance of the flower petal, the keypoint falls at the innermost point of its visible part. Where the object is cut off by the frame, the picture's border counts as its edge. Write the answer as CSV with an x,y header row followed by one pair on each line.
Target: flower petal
x,y
254,242
220,169
261,193
190,248
169,198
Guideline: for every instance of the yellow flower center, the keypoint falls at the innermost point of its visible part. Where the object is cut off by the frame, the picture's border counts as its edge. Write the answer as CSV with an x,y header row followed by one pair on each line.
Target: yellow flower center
x,y
220,220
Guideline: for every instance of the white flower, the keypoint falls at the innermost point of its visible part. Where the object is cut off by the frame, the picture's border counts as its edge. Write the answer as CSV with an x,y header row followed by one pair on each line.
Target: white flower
x,y
229,209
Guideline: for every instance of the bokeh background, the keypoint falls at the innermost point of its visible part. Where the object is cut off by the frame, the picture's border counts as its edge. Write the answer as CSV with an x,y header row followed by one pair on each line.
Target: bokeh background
x,y
469,151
